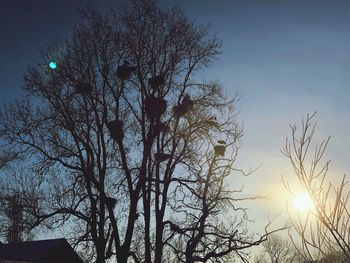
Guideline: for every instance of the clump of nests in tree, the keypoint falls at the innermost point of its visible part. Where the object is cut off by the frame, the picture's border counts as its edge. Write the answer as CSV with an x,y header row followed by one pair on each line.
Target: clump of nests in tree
x,y
111,202
156,81
115,128
124,71
83,88
161,157
155,107
220,148
184,107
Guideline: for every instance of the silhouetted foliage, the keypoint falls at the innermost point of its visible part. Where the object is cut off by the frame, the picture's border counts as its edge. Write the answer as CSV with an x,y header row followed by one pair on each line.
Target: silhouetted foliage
x,y
124,135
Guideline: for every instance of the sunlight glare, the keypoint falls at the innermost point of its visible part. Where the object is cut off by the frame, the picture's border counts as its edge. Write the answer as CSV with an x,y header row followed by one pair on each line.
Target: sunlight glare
x,y
302,201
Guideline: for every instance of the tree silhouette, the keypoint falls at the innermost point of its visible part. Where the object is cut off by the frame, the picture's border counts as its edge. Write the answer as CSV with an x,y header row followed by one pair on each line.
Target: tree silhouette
x,y
18,202
134,150
278,250
7,157
13,209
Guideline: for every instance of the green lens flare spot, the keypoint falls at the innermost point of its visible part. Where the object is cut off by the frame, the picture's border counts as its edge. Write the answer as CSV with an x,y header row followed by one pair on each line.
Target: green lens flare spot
x,y
52,65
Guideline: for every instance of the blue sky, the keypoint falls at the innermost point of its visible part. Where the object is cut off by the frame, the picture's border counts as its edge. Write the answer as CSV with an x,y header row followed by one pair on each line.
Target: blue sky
x,y
285,58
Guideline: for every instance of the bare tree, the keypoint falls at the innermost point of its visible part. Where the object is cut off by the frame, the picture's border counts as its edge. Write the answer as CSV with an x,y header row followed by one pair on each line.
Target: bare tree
x,y
12,208
326,229
133,149
334,257
14,221
18,204
6,157
278,250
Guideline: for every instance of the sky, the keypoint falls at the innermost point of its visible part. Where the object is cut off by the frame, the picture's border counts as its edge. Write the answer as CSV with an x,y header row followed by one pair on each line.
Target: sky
x,y
285,58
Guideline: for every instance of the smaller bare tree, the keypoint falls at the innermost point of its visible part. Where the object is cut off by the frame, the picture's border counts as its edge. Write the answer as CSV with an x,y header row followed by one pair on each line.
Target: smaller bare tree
x,y
6,157
19,204
327,228
278,250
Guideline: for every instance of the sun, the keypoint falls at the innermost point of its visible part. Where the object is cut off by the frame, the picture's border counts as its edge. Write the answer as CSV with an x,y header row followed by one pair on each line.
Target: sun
x,y
302,201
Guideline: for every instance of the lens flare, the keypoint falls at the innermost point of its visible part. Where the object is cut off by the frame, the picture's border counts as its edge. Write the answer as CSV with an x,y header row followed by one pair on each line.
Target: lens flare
x,y
52,65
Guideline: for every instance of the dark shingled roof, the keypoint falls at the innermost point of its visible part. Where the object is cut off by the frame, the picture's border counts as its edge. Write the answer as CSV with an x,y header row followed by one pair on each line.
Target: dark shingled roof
x,y
41,251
